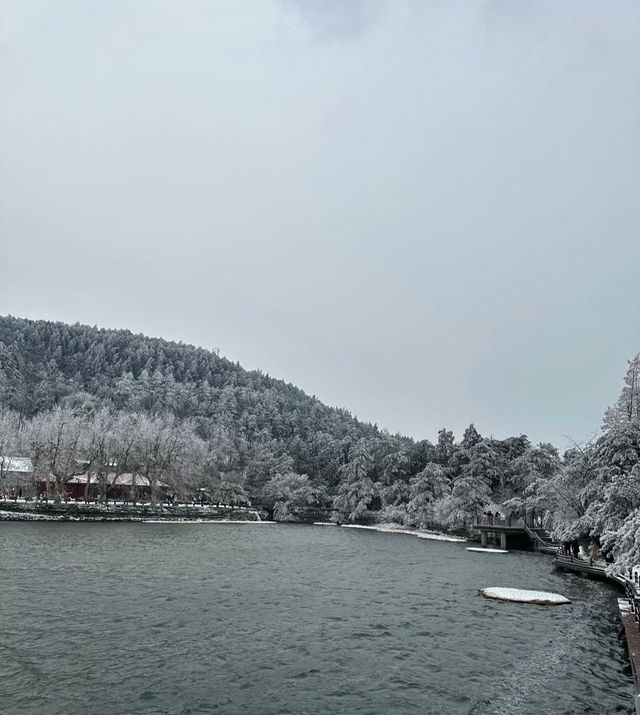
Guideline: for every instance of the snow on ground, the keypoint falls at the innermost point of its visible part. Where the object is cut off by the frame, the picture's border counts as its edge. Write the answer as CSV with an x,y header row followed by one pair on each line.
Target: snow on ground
x,y
199,521
392,528
486,551
397,529
21,516
625,605
138,504
432,536
324,523
30,516
519,595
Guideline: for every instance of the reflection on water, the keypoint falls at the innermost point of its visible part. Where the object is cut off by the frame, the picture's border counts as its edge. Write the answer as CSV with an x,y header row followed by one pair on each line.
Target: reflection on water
x,y
223,618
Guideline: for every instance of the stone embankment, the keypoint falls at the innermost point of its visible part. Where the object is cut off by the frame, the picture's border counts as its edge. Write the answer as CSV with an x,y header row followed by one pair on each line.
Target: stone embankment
x,y
21,510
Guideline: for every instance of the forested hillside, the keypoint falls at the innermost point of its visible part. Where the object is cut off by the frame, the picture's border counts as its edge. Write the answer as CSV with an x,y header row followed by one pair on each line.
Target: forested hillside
x,y
76,394
250,416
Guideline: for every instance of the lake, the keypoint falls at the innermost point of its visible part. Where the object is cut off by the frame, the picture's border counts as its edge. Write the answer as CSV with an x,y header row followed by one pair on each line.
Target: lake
x,y
265,619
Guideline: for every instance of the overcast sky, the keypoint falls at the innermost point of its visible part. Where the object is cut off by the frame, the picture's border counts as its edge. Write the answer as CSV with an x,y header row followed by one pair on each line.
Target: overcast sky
x,y
427,212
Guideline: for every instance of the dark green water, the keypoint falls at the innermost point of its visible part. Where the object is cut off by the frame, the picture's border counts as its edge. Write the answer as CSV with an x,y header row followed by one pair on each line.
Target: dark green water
x,y
223,618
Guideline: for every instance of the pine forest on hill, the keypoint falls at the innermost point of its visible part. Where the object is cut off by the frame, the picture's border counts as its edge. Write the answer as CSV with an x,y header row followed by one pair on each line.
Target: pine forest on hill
x,y
73,394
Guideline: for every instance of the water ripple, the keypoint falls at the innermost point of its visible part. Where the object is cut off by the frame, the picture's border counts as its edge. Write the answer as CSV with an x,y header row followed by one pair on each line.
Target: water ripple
x,y
183,619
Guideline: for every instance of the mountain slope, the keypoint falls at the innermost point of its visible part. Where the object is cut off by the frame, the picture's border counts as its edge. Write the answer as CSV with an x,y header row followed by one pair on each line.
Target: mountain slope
x,y
43,364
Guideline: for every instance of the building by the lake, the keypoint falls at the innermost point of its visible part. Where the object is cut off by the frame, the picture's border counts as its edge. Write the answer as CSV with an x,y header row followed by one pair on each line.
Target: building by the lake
x,y
17,479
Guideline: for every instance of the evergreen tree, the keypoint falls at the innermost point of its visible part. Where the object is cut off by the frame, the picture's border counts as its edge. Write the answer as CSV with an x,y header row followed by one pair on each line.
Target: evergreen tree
x,y
426,489
627,407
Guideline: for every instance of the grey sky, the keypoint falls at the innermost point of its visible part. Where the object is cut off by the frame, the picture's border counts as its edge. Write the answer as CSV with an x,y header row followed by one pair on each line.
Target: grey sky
x,y
426,212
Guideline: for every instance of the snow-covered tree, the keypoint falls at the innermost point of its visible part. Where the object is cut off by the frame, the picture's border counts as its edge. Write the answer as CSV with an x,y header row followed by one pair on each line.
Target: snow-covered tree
x,y
611,493
289,495
445,446
471,437
624,543
627,407
230,491
395,465
427,488
357,490
10,430
471,491
529,481
56,440
354,499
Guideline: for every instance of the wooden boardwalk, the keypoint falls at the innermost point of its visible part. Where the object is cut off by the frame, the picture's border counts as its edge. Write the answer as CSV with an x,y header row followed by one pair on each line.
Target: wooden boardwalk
x,y
629,615
629,609
578,565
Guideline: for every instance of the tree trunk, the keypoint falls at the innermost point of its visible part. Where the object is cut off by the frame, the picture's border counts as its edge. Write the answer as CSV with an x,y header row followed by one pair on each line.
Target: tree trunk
x,y
133,487
102,486
58,494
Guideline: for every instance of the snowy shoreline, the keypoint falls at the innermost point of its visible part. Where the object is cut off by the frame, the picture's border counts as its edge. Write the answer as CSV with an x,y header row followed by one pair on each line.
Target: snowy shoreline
x,y
398,529
202,521
31,516
101,513
22,510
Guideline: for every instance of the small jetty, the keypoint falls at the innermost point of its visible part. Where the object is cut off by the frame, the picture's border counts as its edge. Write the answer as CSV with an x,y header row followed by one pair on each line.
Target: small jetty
x,y
515,532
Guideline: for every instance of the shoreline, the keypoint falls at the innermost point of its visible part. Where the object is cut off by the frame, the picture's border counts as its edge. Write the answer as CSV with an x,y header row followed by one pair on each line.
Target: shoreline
x,y
122,520
398,529
186,513
125,512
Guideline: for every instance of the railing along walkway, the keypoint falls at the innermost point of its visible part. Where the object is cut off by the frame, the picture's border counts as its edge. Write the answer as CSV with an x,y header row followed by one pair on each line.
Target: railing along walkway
x,y
119,502
548,547
505,523
576,563
630,616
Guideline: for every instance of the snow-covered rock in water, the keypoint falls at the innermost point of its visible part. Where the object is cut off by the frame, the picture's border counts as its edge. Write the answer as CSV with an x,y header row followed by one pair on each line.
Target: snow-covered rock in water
x,y
486,551
520,595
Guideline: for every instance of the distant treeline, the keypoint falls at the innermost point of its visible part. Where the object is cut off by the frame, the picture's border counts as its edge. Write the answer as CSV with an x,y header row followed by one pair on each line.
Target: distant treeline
x,y
195,420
